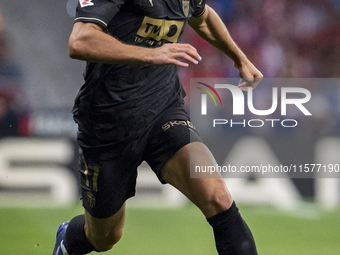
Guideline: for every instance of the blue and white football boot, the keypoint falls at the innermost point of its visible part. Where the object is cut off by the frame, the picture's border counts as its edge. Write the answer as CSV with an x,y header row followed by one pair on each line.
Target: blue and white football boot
x,y
59,248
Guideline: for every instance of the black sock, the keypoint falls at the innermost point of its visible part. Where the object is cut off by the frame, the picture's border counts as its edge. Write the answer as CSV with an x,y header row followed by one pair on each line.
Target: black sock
x,y
232,235
75,240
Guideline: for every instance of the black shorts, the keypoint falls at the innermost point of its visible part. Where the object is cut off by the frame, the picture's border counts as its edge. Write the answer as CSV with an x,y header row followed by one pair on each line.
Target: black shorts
x,y
109,171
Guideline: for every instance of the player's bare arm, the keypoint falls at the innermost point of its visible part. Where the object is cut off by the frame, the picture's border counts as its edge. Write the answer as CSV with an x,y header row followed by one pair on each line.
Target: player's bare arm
x,y
211,28
88,42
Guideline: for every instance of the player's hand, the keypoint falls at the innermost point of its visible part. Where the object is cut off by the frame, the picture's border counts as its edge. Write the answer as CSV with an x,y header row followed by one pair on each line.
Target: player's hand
x,y
175,53
250,76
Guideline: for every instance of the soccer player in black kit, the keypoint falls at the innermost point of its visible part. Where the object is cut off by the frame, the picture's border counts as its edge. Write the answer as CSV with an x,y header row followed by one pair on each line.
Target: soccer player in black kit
x,y
131,91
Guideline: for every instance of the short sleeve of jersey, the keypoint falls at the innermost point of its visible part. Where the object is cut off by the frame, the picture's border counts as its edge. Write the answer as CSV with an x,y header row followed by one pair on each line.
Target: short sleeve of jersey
x,y
97,11
199,8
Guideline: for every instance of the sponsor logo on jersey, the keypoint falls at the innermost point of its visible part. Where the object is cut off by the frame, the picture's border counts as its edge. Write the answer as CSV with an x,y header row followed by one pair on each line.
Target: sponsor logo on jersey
x,y
159,30
185,123
84,3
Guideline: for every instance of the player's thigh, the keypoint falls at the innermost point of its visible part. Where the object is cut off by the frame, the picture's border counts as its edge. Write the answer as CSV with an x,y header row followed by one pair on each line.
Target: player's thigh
x,y
105,232
209,194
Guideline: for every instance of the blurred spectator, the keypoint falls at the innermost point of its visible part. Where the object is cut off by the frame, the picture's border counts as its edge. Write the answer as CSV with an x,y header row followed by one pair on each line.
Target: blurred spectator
x,y
10,90
8,119
8,69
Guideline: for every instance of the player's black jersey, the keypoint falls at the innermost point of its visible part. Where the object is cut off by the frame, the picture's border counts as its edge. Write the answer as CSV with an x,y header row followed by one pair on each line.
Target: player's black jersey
x,y
120,100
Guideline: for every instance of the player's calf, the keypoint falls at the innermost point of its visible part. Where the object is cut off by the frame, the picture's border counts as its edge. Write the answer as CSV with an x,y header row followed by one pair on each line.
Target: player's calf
x,y
103,233
232,234
79,240
105,241
75,240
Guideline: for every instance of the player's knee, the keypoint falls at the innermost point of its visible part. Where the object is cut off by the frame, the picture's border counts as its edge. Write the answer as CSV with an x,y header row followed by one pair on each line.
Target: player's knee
x,y
106,242
218,201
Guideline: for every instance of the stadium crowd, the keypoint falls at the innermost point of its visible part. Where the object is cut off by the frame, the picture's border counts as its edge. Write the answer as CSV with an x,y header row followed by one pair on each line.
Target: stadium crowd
x,y
284,39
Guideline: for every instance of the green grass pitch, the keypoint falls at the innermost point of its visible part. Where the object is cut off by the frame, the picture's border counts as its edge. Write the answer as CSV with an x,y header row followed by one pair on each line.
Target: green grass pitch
x,y
308,231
